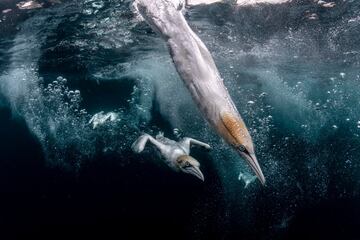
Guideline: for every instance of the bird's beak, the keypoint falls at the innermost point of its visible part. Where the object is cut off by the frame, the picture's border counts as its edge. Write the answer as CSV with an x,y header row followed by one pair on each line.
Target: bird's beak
x,y
195,171
254,164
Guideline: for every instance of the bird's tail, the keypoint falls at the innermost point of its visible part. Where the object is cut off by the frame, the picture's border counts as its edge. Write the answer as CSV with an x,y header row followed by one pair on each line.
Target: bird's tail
x,y
162,15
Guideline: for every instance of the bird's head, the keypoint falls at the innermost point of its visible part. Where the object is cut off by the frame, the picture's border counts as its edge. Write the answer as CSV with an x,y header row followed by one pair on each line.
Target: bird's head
x,y
247,153
189,165
233,130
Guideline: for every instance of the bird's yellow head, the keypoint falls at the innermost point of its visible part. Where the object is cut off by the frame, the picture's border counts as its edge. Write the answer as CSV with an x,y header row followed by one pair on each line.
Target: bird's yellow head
x,y
232,128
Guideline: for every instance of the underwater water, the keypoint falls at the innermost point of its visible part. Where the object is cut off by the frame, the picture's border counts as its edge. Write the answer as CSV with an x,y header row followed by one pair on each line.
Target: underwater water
x,y
293,71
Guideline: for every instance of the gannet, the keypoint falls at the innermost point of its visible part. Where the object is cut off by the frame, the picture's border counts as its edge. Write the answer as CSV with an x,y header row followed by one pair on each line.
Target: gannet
x,y
198,71
176,154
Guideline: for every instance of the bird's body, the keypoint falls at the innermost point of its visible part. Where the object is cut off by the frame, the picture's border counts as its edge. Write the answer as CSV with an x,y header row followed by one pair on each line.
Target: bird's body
x,y
172,151
197,69
175,154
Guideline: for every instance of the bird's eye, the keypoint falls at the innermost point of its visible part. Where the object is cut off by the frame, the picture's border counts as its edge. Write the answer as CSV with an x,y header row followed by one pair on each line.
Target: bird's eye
x,y
187,164
241,148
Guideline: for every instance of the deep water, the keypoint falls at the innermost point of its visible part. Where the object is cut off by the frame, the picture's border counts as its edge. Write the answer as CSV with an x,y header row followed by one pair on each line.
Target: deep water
x,y
291,69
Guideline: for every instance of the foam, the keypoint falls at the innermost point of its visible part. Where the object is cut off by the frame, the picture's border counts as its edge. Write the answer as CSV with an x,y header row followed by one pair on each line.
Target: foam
x,y
238,2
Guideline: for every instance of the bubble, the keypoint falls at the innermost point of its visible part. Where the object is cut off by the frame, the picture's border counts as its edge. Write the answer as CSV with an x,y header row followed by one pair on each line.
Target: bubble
x,y
177,132
98,4
246,178
263,94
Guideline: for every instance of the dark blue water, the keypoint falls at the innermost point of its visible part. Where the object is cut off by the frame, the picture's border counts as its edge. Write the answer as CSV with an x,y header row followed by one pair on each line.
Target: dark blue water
x,y
292,70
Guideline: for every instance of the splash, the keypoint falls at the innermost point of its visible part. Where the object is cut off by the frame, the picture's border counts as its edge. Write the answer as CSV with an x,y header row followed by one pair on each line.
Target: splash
x,y
246,178
238,2
28,5
52,111
100,118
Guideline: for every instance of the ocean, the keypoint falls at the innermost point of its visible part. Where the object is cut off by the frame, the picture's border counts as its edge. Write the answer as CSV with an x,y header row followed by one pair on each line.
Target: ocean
x,y
292,70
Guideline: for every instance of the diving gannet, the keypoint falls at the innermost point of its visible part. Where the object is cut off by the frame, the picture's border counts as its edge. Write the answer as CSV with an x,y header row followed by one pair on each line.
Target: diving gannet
x,y
197,69
176,154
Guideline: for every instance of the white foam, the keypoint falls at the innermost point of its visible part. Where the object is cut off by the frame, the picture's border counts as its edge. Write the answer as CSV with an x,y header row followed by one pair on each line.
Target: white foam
x,y
29,5
101,118
238,2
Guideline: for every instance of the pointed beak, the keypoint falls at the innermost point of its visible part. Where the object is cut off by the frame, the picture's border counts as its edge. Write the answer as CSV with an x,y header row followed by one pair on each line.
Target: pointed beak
x,y
195,171
252,161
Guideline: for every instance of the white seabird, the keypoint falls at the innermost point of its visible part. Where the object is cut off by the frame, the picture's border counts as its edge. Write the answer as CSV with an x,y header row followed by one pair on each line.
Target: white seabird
x,y
197,69
176,154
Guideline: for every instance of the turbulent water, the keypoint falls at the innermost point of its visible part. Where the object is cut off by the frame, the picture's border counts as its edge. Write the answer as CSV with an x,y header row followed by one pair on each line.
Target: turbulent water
x,y
291,69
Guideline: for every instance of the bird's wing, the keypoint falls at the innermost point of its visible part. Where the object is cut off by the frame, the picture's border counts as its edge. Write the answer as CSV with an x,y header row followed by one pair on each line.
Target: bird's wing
x,y
188,142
